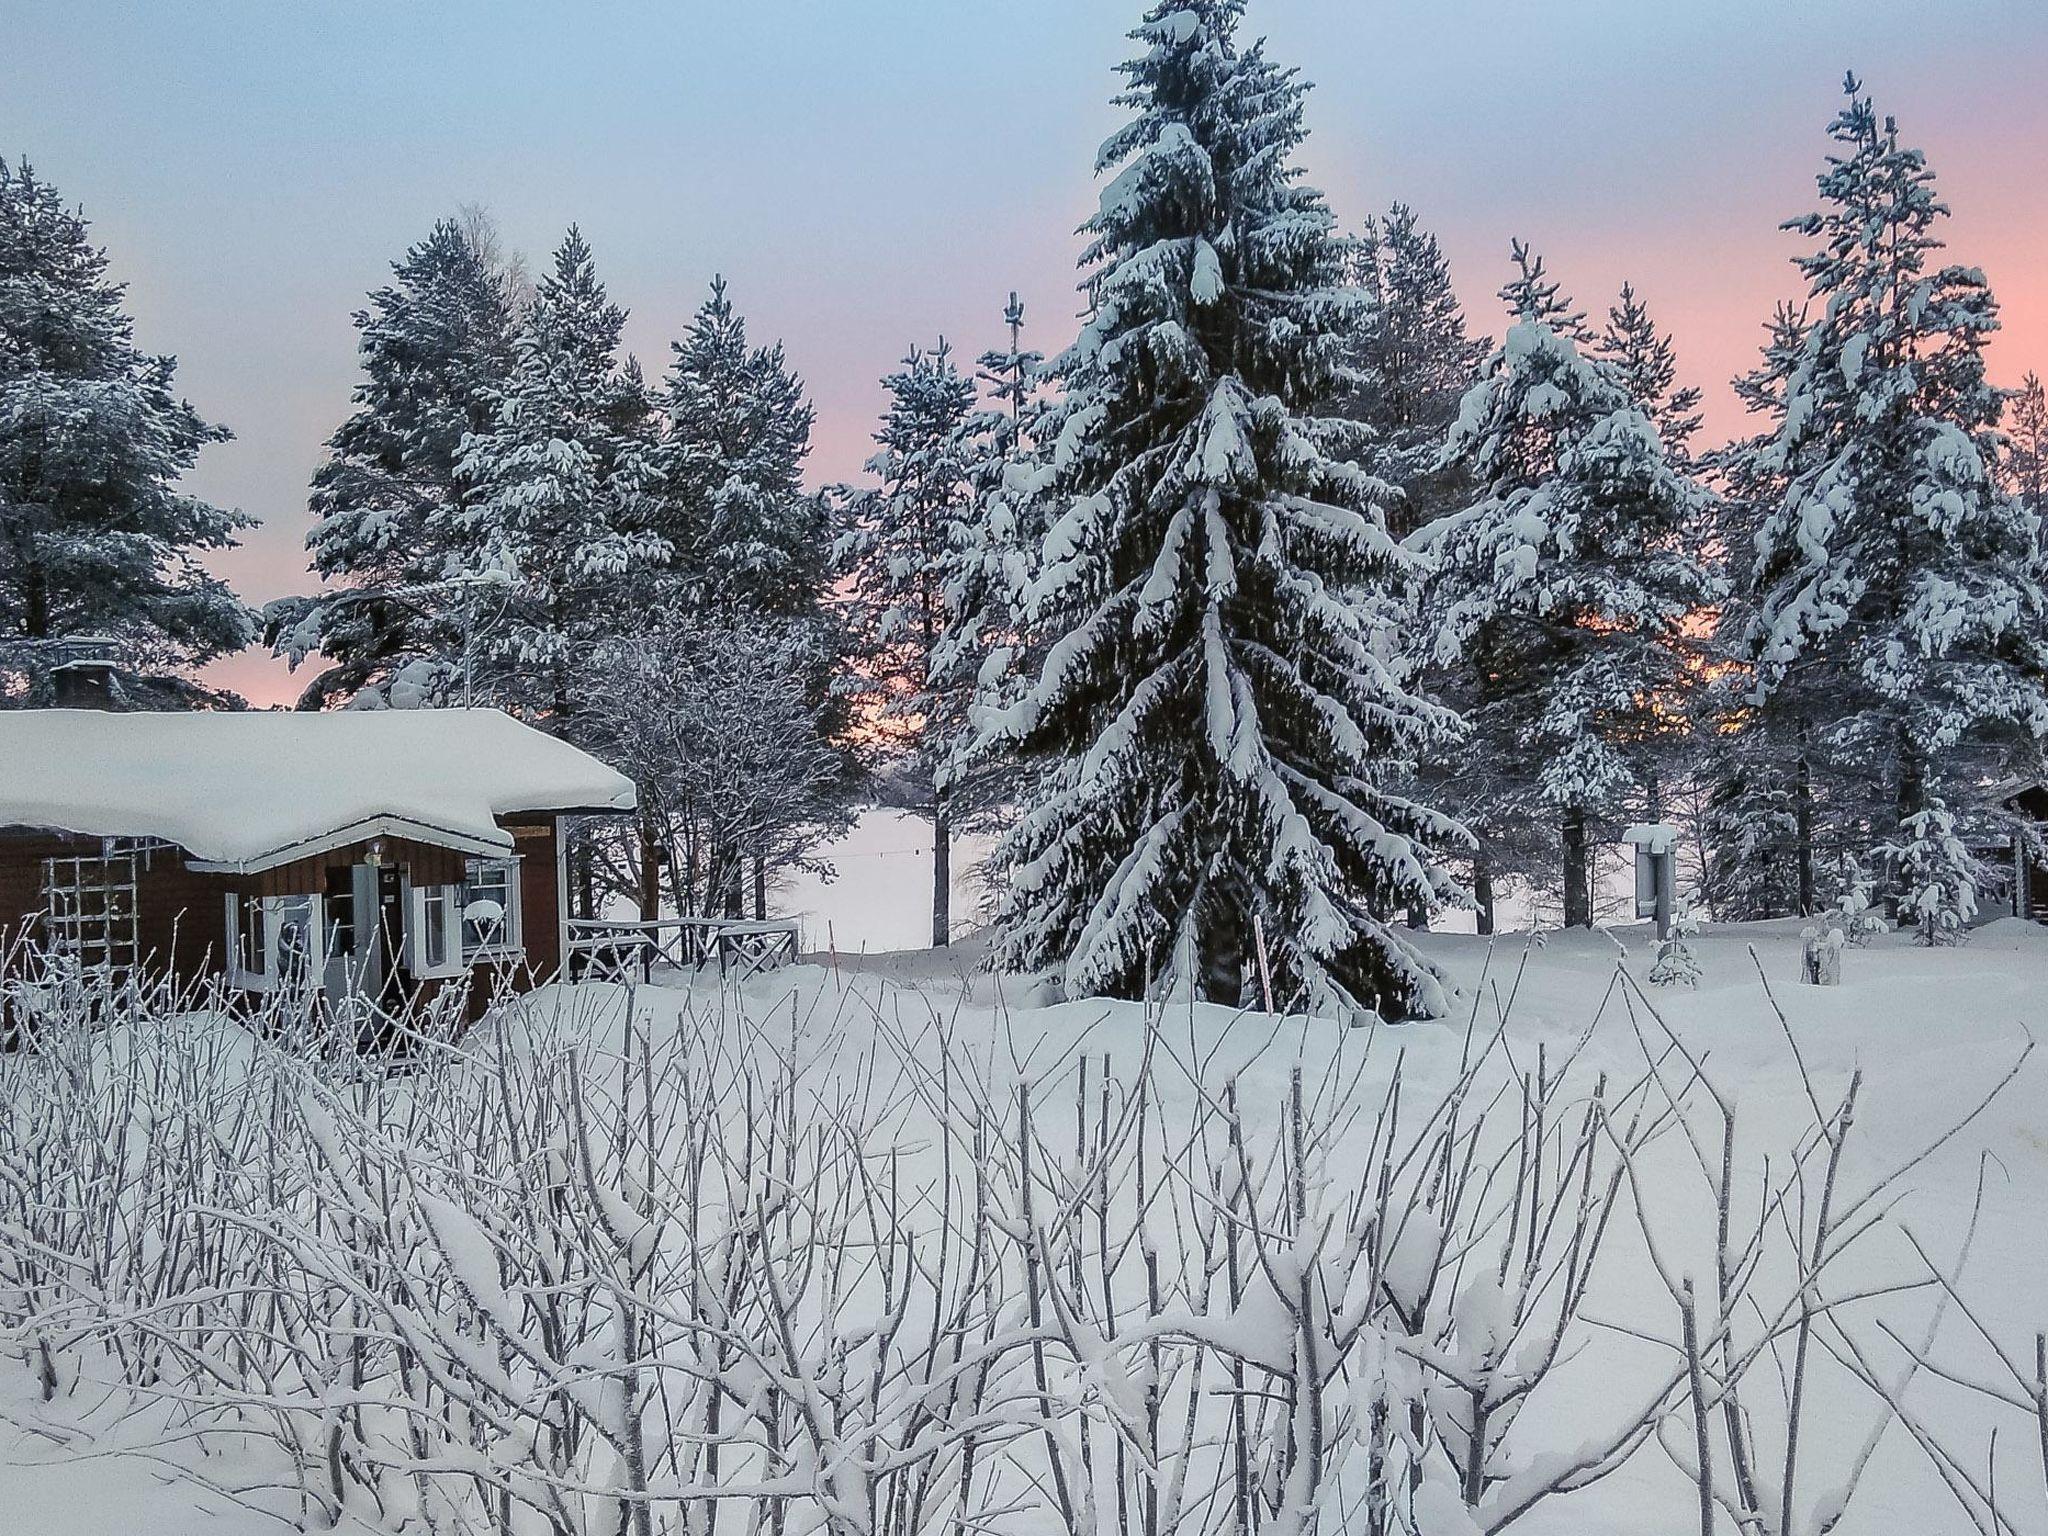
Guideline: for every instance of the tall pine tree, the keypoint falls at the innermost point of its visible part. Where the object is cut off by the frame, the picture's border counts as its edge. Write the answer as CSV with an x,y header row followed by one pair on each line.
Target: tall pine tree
x,y
436,347
1894,583
737,429
561,499
1647,360
894,555
2026,458
989,560
1412,362
1213,723
1562,591
96,538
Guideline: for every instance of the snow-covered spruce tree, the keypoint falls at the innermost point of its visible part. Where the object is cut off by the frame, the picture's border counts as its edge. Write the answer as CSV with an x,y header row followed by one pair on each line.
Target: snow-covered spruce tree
x,y
1894,583
1411,362
2026,455
748,544
96,538
1213,721
737,428
893,555
1647,361
1559,602
436,349
560,502
1776,796
988,566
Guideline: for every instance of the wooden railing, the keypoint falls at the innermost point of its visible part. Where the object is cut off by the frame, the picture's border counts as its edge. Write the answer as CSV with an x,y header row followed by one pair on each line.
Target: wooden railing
x,y
603,949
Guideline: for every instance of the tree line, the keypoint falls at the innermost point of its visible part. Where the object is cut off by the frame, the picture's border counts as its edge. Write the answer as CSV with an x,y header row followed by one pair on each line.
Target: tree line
x,y
1276,611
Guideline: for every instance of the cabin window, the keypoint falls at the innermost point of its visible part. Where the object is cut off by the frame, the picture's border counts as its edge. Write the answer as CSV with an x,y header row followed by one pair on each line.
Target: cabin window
x,y
341,910
434,945
490,909
276,941
89,909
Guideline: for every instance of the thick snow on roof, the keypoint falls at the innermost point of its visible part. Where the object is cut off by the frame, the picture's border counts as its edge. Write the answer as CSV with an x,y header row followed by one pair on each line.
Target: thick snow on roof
x,y
258,788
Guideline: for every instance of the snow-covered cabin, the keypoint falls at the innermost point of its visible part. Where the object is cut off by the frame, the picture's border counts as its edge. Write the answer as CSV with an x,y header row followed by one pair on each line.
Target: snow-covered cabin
x,y
369,852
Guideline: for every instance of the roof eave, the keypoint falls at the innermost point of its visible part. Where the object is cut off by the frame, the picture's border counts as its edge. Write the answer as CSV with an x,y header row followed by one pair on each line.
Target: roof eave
x,y
497,845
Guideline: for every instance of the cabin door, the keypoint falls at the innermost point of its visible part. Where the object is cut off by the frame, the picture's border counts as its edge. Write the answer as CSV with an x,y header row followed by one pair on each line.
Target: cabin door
x,y
355,965
394,984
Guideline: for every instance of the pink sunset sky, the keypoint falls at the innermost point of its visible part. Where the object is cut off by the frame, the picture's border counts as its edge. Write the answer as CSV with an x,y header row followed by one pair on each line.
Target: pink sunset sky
x,y
872,175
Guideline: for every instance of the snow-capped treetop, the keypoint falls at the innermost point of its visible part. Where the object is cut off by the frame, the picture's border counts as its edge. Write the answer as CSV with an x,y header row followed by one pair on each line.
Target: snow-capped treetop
x,y
2026,458
896,549
991,554
738,428
562,480
436,345
1561,592
1411,361
1892,563
1213,720
99,537
1647,361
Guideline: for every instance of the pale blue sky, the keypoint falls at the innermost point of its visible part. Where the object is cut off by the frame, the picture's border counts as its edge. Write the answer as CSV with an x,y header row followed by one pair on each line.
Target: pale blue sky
x,y
869,173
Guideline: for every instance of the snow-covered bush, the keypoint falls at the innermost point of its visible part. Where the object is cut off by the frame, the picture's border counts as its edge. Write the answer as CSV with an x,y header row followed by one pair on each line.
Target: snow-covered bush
x,y
1855,914
615,1261
1678,964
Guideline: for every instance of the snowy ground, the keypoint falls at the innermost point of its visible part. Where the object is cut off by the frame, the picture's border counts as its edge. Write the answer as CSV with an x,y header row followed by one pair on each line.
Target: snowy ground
x,y
1930,1031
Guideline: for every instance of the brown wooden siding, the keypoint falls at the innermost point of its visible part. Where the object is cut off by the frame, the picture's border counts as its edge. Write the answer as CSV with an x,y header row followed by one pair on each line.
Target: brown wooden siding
x,y
180,912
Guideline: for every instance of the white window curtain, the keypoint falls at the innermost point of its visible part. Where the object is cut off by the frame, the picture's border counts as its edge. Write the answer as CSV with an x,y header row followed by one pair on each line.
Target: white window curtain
x,y
274,941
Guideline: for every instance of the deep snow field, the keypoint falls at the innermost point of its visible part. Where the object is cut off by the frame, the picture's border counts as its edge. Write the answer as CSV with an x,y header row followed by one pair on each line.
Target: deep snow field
x,y
1931,1031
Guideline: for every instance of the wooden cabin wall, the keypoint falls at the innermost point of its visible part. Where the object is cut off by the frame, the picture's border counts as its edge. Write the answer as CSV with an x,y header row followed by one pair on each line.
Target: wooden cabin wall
x,y
180,920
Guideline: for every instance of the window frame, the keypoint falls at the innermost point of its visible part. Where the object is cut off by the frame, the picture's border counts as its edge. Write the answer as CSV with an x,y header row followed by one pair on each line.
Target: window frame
x,y
275,915
510,943
431,908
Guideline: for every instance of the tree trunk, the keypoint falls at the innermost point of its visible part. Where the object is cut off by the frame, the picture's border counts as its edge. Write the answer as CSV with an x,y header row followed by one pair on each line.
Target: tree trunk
x,y
942,872
760,889
650,870
1802,812
1912,777
1418,916
1578,887
586,881
35,603
1221,937
1482,890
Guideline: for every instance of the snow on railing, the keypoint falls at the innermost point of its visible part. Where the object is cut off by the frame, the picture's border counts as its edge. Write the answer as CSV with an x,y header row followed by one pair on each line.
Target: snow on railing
x,y
608,949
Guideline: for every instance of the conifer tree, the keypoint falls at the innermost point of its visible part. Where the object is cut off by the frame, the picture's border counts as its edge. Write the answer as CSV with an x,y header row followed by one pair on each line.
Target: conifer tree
x,y
894,553
1771,803
1895,584
989,561
96,537
1647,361
560,504
1412,362
1562,591
737,430
1212,724
2026,458
436,348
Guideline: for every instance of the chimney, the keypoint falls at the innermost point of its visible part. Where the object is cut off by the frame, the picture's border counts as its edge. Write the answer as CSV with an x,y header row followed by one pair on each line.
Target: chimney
x,y
86,678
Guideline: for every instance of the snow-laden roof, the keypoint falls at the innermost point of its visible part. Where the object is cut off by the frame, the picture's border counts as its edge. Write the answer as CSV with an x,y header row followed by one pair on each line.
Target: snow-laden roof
x,y
252,790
